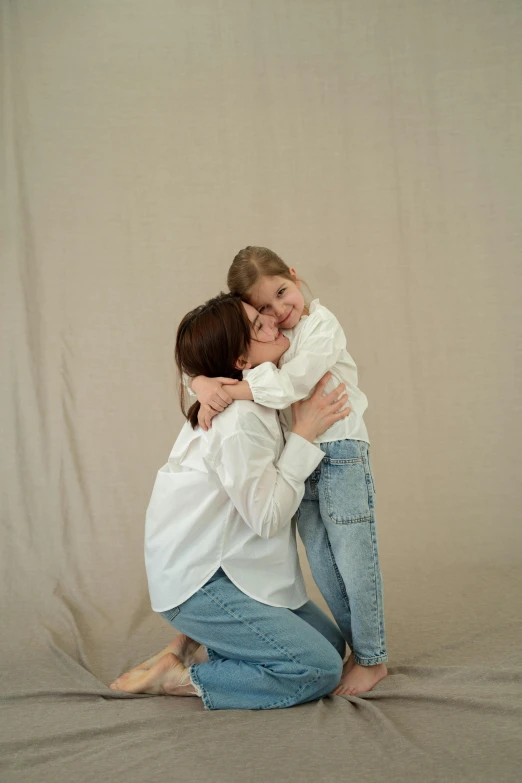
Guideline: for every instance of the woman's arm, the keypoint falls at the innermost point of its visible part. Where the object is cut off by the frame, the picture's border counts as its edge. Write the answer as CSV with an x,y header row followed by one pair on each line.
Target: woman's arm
x,y
267,493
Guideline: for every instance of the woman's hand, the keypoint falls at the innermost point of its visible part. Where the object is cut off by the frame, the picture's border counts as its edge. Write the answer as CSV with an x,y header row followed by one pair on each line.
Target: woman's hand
x,y
314,416
211,391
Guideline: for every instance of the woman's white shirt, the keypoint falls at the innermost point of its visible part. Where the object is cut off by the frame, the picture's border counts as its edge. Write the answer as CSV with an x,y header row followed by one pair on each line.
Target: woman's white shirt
x,y
317,345
226,499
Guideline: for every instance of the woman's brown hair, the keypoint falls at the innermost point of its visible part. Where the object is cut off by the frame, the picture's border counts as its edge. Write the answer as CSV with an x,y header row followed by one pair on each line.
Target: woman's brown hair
x,y
250,265
209,342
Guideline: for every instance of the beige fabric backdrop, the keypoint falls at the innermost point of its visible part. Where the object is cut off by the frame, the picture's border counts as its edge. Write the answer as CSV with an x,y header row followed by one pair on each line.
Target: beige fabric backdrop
x,y
376,147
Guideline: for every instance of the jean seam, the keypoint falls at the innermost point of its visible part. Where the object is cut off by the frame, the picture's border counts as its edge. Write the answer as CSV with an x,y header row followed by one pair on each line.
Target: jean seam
x,y
378,594
379,610
350,521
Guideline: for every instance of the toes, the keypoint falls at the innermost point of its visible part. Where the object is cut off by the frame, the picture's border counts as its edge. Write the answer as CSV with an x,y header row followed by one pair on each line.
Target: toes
x,y
342,690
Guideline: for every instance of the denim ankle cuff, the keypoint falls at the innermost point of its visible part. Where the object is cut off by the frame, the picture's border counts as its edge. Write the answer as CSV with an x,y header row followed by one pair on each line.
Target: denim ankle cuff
x,y
196,682
370,661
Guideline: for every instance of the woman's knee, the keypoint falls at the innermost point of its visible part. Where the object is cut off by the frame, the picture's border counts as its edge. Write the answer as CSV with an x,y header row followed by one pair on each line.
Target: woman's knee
x,y
327,668
333,671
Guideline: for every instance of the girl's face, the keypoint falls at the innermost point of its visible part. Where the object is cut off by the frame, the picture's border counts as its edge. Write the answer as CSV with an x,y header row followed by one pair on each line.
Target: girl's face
x,y
279,297
267,344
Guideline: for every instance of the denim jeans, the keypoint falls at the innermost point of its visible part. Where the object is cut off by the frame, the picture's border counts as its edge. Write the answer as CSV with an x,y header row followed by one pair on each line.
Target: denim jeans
x,y
260,657
336,523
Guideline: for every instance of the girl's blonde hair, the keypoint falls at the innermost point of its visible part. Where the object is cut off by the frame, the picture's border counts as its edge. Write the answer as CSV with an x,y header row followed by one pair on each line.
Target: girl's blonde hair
x,y
250,265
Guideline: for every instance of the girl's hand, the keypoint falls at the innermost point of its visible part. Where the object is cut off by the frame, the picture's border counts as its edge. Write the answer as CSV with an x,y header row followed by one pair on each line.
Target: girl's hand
x,y
205,416
314,416
211,391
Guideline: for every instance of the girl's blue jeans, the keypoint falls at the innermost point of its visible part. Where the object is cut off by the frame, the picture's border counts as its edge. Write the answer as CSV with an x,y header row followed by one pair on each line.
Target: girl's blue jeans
x,y
336,522
260,657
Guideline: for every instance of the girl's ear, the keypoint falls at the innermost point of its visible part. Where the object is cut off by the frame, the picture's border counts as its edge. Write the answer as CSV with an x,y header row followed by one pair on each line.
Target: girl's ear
x,y
294,275
242,364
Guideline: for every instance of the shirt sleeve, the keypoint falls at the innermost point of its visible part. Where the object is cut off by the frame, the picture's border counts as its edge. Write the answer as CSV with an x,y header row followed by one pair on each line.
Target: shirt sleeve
x,y
266,493
186,381
323,341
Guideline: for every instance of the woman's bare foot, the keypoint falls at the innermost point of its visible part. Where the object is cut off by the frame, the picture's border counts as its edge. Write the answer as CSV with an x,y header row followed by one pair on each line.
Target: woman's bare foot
x,y
359,679
188,650
183,647
168,676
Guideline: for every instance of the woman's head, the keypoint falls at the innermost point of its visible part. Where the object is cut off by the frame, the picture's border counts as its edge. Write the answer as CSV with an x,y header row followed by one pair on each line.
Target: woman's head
x,y
263,280
223,337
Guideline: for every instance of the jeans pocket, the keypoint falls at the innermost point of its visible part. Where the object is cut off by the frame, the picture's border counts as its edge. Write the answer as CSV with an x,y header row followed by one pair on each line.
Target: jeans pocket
x,y
346,491
171,614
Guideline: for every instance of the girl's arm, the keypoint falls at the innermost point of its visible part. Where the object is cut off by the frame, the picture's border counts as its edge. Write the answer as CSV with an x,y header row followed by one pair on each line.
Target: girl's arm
x,y
210,391
215,394
266,384
322,341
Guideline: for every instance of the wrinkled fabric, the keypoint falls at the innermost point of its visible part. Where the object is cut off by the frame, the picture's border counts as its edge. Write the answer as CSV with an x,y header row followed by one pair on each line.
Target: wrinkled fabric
x,y
376,148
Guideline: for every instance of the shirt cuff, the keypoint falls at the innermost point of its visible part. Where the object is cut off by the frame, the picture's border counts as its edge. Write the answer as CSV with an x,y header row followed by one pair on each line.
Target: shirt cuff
x,y
269,387
299,457
187,380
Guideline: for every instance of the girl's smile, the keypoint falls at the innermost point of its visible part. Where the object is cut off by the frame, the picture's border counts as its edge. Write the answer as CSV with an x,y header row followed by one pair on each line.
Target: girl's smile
x,y
279,297
280,323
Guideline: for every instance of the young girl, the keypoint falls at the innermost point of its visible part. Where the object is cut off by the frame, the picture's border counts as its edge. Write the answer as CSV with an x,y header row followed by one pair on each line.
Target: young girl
x,y
336,518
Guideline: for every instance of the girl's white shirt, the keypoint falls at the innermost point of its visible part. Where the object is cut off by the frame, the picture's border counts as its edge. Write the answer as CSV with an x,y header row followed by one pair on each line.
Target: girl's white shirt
x,y
226,498
317,344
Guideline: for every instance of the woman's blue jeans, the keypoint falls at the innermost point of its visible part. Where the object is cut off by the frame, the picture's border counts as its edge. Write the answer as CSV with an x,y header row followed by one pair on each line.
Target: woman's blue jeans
x,y
260,657
337,527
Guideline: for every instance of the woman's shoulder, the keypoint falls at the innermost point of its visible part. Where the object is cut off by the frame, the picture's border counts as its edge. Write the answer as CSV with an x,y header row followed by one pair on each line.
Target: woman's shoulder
x,y
243,416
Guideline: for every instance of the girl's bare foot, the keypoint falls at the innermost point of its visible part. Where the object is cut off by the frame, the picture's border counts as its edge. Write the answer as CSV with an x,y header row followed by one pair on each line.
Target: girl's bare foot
x,y
168,676
359,679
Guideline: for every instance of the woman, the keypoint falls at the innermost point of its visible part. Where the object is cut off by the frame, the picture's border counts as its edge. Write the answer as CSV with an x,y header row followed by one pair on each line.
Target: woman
x,y
220,548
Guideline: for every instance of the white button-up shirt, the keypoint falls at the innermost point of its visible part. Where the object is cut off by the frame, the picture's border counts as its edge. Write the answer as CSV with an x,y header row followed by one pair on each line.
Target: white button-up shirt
x,y
226,498
317,344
